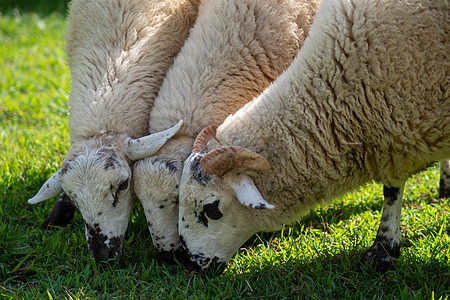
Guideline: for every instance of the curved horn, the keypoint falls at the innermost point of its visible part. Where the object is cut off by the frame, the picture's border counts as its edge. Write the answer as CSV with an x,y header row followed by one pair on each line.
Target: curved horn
x,y
203,138
247,193
218,161
50,189
145,146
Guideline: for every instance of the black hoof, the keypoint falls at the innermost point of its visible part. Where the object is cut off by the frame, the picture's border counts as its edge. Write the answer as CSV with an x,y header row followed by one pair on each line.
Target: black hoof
x,y
381,256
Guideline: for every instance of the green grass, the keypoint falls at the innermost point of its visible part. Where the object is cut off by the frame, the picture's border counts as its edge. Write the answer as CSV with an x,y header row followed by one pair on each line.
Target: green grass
x,y
317,258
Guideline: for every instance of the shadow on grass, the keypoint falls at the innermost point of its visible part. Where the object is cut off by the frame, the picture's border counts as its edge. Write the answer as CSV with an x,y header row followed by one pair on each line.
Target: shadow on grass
x,y
41,7
343,276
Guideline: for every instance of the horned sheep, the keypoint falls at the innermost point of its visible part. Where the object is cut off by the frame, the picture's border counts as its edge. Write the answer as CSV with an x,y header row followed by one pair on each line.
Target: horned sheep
x,y
366,99
235,49
118,54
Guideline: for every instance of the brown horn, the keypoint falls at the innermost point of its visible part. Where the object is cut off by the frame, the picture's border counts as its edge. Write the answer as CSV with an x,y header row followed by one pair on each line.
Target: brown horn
x,y
203,138
218,161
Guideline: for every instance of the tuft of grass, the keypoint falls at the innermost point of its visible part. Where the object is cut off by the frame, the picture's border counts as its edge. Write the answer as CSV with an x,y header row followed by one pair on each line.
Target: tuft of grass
x,y
316,258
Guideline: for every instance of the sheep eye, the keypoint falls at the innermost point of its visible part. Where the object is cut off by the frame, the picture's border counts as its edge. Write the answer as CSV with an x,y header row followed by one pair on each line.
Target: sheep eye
x,y
123,186
212,210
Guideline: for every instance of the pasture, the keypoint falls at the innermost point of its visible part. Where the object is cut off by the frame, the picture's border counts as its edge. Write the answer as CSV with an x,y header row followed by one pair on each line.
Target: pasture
x,y
316,258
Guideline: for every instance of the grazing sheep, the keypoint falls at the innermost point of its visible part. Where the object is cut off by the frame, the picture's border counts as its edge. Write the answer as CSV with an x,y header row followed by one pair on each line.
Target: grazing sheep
x,y
234,51
365,99
119,52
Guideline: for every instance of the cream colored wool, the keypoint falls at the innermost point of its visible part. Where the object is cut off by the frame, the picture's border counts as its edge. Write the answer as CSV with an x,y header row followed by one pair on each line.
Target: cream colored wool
x,y
118,54
234,51
366,99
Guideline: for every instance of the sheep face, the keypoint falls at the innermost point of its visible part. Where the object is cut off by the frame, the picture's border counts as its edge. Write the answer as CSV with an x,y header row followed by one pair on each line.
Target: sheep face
x,y
156,182
97,181
96,177
214,220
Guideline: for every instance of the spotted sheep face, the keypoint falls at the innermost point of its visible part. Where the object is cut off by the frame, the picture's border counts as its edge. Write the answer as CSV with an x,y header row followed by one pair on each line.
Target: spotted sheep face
x,y
217,208
96,176
211,224
156,184
98,182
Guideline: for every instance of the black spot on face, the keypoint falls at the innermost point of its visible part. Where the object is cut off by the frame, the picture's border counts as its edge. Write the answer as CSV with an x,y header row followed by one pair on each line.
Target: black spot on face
x,y
196,262
100,247
111,162
116,200
197,171
168,164
66,166
201,218
212,210
161,206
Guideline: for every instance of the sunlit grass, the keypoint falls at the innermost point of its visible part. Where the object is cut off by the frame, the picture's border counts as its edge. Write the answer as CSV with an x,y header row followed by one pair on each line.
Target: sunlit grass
x,y
315,258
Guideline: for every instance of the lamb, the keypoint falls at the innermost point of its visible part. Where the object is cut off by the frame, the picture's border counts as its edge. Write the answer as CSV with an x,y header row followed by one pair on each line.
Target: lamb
x,y
365,99
118,54
235,50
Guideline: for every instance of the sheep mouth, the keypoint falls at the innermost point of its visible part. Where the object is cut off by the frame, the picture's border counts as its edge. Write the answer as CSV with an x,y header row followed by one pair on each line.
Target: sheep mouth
x,y
200,263
101,247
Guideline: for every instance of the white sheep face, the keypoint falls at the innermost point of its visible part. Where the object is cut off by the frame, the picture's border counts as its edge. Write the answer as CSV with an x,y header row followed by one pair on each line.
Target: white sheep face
x,y
156,182
213,224
97,181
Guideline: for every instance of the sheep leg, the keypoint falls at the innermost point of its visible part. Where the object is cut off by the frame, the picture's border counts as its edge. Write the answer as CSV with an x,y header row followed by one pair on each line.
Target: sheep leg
x,y
387,243
444,184
62,213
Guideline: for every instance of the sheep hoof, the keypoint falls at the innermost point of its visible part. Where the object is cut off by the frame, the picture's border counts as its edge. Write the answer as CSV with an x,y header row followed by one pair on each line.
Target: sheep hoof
x,y
381,255
444,191
62,213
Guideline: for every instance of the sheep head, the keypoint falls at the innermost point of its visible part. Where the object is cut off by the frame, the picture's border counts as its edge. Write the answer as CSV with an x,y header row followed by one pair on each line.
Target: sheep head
x,y
96,176
218,201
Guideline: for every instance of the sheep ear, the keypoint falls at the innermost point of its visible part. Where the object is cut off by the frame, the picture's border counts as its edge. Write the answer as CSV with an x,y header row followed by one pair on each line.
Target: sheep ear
x,y
219,161
246,191
50,189
145,146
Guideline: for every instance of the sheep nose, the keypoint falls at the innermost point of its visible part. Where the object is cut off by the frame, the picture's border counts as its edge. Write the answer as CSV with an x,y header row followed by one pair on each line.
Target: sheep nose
x,y
102,251
167,256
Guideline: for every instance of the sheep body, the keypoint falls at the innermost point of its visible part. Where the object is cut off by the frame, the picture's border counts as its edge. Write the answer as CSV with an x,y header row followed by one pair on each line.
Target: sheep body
x,y
234,51
366,99
118,53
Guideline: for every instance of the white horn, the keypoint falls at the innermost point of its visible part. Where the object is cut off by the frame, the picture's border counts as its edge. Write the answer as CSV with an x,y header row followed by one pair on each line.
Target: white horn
x,y
247,193
145,146
50,189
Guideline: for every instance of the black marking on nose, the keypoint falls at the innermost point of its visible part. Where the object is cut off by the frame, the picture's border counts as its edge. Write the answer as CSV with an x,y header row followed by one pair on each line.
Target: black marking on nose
x,y
197,171
100,246
212,210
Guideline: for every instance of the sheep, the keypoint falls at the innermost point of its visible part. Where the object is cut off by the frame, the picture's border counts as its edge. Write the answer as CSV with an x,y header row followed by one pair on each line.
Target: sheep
x,y
366,98
118,54
235,49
